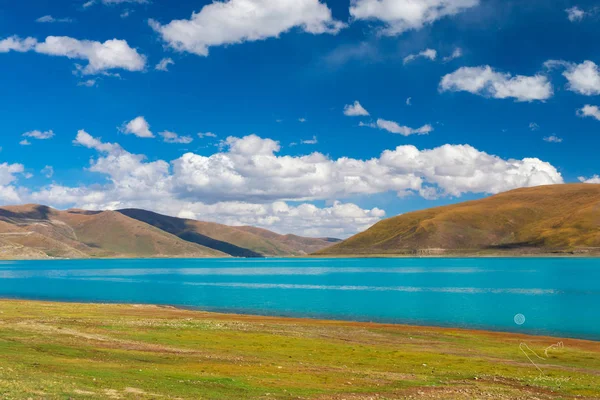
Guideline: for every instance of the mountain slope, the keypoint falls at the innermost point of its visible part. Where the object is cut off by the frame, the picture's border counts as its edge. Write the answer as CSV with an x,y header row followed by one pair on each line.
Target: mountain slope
x,y
544,219
293,242
34,231
236,241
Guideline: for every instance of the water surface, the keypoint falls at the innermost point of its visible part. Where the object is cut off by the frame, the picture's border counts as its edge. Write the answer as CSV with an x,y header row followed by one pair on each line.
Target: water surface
x,y
557,296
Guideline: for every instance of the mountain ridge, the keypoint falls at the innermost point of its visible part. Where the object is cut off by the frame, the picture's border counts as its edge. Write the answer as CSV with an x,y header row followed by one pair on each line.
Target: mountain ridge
x,y
34,231
553,219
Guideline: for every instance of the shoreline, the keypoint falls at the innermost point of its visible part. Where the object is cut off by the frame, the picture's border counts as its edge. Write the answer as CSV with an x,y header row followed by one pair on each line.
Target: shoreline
x,y
307,320
327,256
96,350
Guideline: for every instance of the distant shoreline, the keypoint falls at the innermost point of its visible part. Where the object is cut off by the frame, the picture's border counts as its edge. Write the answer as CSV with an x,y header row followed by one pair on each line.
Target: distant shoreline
x,y
238,315
328,256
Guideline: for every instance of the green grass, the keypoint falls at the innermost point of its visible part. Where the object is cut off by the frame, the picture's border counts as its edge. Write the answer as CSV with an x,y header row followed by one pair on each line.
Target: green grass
x,y
84,351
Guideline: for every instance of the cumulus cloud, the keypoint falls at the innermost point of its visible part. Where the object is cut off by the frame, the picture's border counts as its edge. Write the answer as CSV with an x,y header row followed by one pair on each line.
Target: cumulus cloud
x,y
401,16
138,127
430,54
355,110
101,57
113,2
51,19
25,142
87,83
593,179
48,171
8,173
534,126
15,43
125,1
582,78
163,65
553,139
457,53
394,127
237,21
575,14
8,176
203,135
310,141
39,134
172,137
484,81
589,111
248,182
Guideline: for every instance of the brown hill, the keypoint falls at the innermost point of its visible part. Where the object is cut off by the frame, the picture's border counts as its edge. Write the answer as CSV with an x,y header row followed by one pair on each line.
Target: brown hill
x,y
236,241
296,244
34,231
544,219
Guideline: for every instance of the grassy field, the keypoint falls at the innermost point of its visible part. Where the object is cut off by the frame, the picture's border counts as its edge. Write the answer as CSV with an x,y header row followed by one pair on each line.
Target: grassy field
x,y
83,351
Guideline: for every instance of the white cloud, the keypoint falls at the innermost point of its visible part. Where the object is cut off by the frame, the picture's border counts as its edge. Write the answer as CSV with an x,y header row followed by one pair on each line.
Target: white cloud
x,y
125,1
138,127
249,183
15,43
575,14
593,179
409,101
87,83
51,19
113,2
203,135
363,51
355,110
8,173
237,21
101,57
86,140
394,127
400,16
589,111
48,171
484,81
163,65
251,170
534,126
112,54
39,134
457,53
302,119
172,137
8,176
427,53
583,78
25,142
310,141
553,139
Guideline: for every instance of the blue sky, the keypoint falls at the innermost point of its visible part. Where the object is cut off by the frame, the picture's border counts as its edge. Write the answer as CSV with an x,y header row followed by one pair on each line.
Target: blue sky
x,y
503,94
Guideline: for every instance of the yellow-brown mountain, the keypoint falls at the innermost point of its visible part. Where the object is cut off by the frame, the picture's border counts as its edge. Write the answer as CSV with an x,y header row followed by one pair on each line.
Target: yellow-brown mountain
x,y
539,220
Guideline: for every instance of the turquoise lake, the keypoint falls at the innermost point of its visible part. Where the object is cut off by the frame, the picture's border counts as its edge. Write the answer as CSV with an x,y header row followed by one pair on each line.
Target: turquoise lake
x,y
553,296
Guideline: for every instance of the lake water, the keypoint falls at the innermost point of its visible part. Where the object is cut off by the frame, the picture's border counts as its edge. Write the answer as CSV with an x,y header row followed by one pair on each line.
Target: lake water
x,y
558,297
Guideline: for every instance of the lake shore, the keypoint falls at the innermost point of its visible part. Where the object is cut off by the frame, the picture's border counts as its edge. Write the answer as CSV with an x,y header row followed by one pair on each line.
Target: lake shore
x,y
58,350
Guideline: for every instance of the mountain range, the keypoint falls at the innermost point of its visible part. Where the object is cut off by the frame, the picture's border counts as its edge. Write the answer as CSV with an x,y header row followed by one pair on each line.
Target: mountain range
x,y
40,232
555,219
